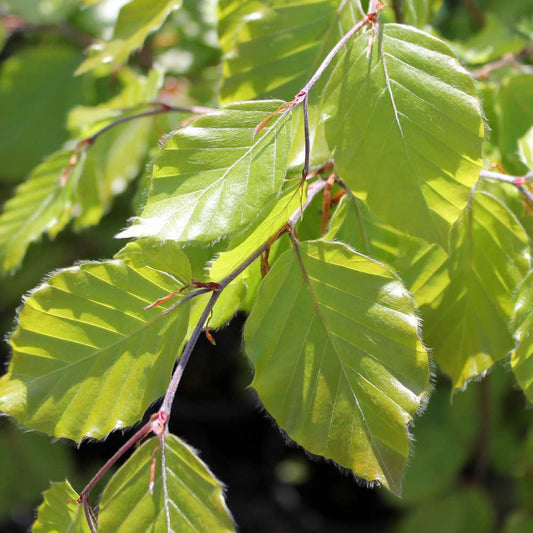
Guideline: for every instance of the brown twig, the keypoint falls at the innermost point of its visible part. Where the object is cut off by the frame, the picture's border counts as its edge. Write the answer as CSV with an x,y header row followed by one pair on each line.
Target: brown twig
x,y
507,59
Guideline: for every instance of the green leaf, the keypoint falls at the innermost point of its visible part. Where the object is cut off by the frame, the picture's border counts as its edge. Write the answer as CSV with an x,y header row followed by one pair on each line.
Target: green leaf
x,y
406,129
39,12
338,361
516,112
60,511
28,461
467,328
165,257
276,48
519,522
521,358
212,178
435,464
136,20
87,357
492,42
48,68
465,510
271,51
185,497
419,264
40,205
416,12
46,203
525,146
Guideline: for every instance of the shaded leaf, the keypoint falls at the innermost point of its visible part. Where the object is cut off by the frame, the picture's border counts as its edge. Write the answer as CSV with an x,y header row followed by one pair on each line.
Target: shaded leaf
x,y
467,327
420,265
338,362
406,129
47,201
465,510
28,461
48,68
87,357
136,20
525,146
516,104
60,511
212,178
191,501
276,48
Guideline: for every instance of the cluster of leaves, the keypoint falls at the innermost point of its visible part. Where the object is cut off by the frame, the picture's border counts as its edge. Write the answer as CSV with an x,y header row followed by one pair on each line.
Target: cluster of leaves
x,y
416,252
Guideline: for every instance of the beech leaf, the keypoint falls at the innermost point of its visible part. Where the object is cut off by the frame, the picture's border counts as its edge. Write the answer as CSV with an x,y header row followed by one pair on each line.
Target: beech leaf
x,y
338,361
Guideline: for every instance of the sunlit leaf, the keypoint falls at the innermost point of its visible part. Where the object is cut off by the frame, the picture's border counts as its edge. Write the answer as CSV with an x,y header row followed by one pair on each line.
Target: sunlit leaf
x,y
42,204
136,20
60,512
521,358
338,361
87,357
212,178
525,146
406,129
185,497
467,328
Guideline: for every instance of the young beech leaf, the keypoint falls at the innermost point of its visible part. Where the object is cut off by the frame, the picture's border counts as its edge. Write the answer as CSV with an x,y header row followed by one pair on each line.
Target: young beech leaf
x,y
406,129
136,20
186,497
515,100
420,265
42,204
56,191
272,51
522,356
467,327
87,357
60,512
338,361
212,178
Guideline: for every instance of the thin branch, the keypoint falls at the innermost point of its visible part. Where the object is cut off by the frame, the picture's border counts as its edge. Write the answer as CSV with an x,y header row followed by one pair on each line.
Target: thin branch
x,y
517,181
307,140
160,109
507,59
166,406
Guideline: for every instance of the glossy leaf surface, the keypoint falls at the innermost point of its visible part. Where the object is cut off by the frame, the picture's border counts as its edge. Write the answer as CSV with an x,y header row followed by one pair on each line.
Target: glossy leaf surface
x,y
338,361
